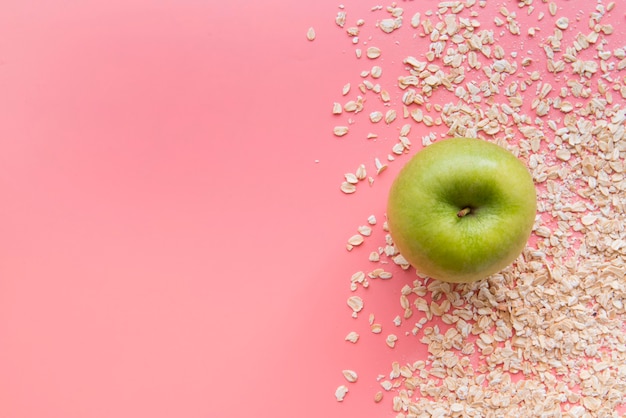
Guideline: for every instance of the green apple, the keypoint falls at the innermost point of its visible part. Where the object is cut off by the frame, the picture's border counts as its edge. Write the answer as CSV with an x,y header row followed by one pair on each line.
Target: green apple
x,y
461,209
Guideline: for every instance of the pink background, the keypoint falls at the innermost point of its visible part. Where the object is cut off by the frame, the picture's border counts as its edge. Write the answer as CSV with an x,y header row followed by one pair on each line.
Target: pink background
x,y
169,245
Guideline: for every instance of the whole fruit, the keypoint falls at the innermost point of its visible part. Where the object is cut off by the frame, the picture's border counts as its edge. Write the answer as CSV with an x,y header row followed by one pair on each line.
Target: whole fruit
x,y
462,209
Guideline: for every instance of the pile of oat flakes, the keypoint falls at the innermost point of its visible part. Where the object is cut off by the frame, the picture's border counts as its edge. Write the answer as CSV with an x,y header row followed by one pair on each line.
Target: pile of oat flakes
x,y
556,317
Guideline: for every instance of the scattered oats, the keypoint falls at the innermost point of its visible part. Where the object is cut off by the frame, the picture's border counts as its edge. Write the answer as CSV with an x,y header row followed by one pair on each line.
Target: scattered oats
x,y
398,148
552,8
591,403
374,274
546,88
389,25
358,277
376,71
365,230
341,392
367,84
391,340
373,52
348,188
352,31
618,244
351,178
563,154
380,167
606,29
456,407
337,108
350,106
588,220
371,220
356,240
562,23
361,173
401,261
385,275
340,130
346,89
417,115
533,318
350,375
376,116
566,107
378,397
390,116
340,20
310,34
352,337
355,303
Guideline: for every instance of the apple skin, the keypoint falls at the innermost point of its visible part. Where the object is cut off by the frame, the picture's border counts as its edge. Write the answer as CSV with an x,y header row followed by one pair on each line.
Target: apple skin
x,y
426,200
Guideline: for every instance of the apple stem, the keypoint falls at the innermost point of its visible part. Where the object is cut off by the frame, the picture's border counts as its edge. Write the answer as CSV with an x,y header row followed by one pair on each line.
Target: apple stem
x,y
463,212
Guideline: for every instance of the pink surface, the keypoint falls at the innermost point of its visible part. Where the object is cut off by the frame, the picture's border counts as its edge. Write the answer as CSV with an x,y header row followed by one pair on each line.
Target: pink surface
x,y
168,241
171,231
